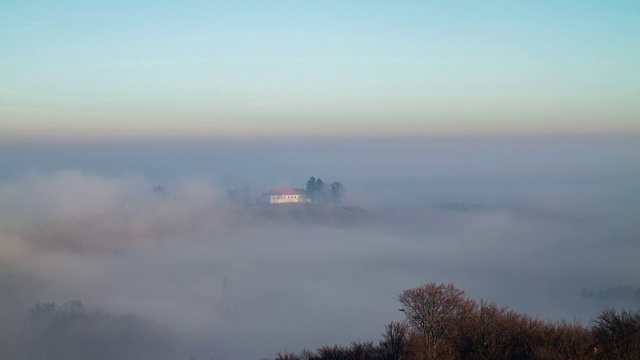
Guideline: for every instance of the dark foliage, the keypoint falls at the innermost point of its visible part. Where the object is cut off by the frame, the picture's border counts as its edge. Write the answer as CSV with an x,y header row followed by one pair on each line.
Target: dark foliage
x,y
70,331
442,323
240,197
336,191
617,334
319,193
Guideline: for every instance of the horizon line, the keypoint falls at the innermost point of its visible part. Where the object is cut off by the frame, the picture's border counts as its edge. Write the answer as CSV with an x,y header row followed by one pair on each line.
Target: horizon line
x,y
294,138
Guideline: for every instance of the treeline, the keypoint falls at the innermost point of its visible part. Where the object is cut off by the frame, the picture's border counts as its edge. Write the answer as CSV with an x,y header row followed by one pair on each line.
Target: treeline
x,y
318,191
72,332
442,323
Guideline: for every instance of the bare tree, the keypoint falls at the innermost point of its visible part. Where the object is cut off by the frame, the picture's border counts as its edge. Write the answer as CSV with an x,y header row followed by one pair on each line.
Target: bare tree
x,y
617,334
442,323
394,343
437,314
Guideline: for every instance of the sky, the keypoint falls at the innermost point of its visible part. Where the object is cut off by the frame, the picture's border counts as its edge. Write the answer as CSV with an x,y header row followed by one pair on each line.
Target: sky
x,y
78,70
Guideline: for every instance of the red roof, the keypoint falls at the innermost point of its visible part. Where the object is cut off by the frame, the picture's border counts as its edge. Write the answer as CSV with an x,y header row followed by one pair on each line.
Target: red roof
x,y
288,192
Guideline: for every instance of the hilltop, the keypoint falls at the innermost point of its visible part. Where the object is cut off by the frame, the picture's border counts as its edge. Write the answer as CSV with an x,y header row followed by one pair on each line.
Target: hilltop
x,y
308,213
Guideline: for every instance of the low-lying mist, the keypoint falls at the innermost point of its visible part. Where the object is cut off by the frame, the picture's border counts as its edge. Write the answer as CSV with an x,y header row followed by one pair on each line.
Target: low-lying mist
x,y
91,257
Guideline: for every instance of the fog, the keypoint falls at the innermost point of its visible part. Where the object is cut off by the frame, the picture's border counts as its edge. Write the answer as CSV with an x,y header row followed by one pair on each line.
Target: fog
x,y
526,222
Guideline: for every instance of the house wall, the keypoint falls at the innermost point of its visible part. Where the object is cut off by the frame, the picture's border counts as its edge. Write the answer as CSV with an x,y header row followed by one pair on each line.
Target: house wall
x,y
281,199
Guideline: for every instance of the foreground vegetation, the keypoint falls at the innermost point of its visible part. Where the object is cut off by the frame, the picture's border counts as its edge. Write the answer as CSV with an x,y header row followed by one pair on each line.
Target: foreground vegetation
x,y
442,323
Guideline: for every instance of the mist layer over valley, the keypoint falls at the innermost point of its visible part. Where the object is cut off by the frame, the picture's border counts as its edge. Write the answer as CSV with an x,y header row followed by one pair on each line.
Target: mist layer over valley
x,y
526,222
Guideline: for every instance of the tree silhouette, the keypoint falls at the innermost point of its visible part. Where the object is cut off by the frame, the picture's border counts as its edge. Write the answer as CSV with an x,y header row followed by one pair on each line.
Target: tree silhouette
x,y
436,313
336,191
442,323
312,187
315,189
394,341
618,334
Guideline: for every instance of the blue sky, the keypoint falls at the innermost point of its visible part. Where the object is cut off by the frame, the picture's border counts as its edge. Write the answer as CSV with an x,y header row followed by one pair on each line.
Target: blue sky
x,y
121,69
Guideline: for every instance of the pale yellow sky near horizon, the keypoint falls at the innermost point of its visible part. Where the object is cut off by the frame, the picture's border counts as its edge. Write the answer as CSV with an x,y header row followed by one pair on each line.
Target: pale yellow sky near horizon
x,y
75,127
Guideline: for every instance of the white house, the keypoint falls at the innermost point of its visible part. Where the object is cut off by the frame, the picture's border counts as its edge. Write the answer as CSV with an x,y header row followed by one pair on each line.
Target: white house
x,y
281,196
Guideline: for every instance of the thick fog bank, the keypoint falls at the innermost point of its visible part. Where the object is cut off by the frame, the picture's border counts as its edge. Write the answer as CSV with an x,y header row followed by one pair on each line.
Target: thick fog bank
x,y
181,273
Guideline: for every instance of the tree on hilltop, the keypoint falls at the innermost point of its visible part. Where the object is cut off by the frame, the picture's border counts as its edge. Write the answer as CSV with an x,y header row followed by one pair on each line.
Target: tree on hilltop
x,y
315,188
336,191
320,193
